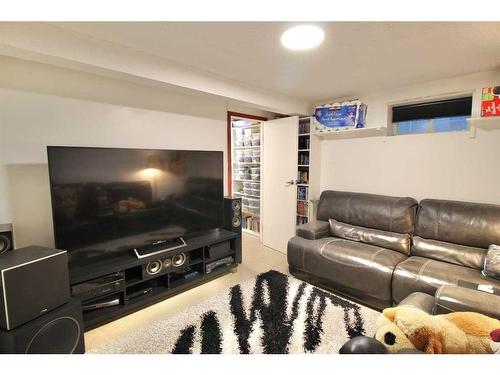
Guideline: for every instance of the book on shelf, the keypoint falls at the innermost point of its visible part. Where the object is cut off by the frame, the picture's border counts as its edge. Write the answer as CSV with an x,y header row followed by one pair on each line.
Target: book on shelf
x,y
251,223
304,126
303,177
303,159
302,220
302,208
302,193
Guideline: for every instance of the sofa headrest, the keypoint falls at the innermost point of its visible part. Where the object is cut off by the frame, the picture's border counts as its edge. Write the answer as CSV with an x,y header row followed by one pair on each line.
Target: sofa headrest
x,y
462,223
392,214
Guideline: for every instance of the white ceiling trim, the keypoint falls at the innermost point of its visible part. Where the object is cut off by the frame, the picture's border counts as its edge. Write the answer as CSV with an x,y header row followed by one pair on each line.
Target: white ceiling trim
x,y
48,44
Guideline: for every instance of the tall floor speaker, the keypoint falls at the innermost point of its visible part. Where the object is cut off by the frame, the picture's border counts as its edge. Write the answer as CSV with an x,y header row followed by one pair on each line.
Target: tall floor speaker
x,y
57,332
6,238
232,222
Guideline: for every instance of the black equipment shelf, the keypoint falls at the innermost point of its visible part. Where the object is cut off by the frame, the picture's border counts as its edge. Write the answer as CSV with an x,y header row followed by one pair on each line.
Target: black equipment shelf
x,y
165,284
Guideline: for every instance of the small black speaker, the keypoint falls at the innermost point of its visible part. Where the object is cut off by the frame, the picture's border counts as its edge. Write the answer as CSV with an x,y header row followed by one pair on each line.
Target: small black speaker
x,y
57,332
232,222
6,238
34,281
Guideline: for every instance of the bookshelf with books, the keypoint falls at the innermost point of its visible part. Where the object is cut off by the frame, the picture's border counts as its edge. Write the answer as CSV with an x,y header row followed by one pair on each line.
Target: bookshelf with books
x,y
303,166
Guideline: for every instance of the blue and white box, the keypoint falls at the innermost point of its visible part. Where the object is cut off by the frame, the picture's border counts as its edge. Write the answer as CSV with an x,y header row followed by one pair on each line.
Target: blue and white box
x,y
339,116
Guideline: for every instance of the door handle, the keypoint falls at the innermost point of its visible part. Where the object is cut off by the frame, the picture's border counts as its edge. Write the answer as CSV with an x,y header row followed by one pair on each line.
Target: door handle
x,y
289,183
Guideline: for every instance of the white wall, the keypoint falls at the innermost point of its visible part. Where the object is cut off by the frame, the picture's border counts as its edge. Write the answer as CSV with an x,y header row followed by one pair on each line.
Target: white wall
x,y
42,105
446,165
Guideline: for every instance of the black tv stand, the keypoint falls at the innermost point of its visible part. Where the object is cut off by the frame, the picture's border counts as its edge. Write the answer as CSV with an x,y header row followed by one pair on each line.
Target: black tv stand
x,y
140,290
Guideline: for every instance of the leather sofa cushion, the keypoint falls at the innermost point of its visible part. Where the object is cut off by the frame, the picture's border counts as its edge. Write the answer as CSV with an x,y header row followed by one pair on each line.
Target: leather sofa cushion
x,y
417,274
452,298
468,256
364,270
463,223
314,230
390,240
391,214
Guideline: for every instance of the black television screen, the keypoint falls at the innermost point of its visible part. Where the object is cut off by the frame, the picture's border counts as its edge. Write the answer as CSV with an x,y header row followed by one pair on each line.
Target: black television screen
x,y
109,200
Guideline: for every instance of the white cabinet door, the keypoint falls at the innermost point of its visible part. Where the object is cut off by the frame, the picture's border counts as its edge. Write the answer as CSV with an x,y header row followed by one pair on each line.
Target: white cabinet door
x,y
279,163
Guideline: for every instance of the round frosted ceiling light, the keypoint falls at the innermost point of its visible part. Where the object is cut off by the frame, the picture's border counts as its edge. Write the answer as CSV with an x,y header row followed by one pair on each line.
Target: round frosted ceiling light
x,y
302,37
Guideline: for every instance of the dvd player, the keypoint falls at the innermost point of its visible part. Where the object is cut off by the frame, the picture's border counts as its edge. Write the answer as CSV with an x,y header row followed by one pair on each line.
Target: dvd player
x,y
99,287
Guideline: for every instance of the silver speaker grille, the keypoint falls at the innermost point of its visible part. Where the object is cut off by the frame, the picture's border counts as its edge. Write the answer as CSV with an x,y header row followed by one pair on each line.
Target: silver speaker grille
x,y
154,267
179,259
236,221
4,244
236,205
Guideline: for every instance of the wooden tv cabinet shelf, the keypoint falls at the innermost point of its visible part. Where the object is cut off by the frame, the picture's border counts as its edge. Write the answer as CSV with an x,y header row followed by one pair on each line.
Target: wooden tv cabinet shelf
x,y
161,286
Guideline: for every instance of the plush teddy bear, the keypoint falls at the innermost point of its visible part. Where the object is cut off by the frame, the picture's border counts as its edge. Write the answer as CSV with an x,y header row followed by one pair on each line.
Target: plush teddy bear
x,y
405,328
495,344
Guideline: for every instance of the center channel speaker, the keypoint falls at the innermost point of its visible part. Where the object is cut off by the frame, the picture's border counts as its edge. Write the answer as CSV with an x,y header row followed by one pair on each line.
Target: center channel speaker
x,y
6,238
57,332
232,221
167,264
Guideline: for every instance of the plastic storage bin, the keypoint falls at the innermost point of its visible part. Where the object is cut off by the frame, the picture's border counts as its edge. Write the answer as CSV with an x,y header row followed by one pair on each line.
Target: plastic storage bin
x,y
255,177
253,203
240,156
255,139
248,156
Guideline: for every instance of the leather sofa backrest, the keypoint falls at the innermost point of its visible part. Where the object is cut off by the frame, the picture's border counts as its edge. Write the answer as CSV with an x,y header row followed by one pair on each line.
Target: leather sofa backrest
x,y
382,212
461,223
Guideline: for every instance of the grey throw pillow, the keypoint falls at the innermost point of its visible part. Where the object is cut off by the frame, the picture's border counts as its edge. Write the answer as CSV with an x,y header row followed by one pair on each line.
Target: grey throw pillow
x,y
492,262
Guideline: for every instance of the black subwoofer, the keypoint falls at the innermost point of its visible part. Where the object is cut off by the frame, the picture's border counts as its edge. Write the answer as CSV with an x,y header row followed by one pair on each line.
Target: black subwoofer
x,y
6,238
57,332
34,281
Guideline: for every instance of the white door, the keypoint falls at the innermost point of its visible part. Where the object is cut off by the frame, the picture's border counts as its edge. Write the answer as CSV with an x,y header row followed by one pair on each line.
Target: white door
x,y
279,163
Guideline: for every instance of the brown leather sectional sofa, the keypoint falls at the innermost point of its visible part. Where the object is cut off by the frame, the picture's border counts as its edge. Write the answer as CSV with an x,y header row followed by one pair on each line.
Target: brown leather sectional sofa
x,y
379,249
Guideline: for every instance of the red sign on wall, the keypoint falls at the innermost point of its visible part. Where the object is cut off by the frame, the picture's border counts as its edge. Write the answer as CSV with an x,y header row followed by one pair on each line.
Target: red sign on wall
x,y
490,101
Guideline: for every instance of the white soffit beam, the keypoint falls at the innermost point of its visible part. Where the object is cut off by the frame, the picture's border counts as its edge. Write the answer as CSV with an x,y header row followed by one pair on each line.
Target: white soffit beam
x,y
54,45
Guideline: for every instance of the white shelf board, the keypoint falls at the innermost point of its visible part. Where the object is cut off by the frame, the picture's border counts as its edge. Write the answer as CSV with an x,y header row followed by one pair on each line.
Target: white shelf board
x,y
252,232
304,134
250,213
303,165
302,200
486,123
246,163
379,131
303,149
246,127
302,215
253,181
245,147
302,184
247,195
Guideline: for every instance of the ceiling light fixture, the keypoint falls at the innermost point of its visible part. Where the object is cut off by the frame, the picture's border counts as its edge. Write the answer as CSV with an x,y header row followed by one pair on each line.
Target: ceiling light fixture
x,y
302,37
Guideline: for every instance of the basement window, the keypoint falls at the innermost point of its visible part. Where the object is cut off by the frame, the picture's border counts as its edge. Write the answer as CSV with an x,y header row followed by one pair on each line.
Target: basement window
x,y
446,115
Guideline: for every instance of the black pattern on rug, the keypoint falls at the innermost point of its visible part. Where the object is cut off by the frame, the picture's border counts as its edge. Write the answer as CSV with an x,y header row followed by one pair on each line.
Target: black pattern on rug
x,y
277,311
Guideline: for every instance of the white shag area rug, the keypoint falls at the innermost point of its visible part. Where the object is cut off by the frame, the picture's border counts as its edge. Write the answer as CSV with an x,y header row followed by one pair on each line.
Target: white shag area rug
x,y
272,313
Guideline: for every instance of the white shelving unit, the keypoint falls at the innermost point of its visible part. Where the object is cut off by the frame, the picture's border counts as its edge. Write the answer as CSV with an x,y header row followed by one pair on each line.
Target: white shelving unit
x,y
246,151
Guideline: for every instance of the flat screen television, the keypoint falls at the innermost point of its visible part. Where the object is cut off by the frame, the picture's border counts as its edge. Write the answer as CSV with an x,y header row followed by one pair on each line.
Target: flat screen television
x,y
106,201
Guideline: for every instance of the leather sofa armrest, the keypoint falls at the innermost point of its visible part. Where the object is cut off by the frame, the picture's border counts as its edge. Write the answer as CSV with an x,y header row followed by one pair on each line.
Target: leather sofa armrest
x,y
314,230
422,301
452,298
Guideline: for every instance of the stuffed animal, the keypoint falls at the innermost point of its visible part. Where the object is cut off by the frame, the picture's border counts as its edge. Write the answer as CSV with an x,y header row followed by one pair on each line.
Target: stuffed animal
x,y
495,344
403,327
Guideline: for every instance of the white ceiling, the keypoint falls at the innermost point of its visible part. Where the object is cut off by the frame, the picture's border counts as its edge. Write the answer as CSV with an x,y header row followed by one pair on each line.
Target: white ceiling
x,y
356,57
